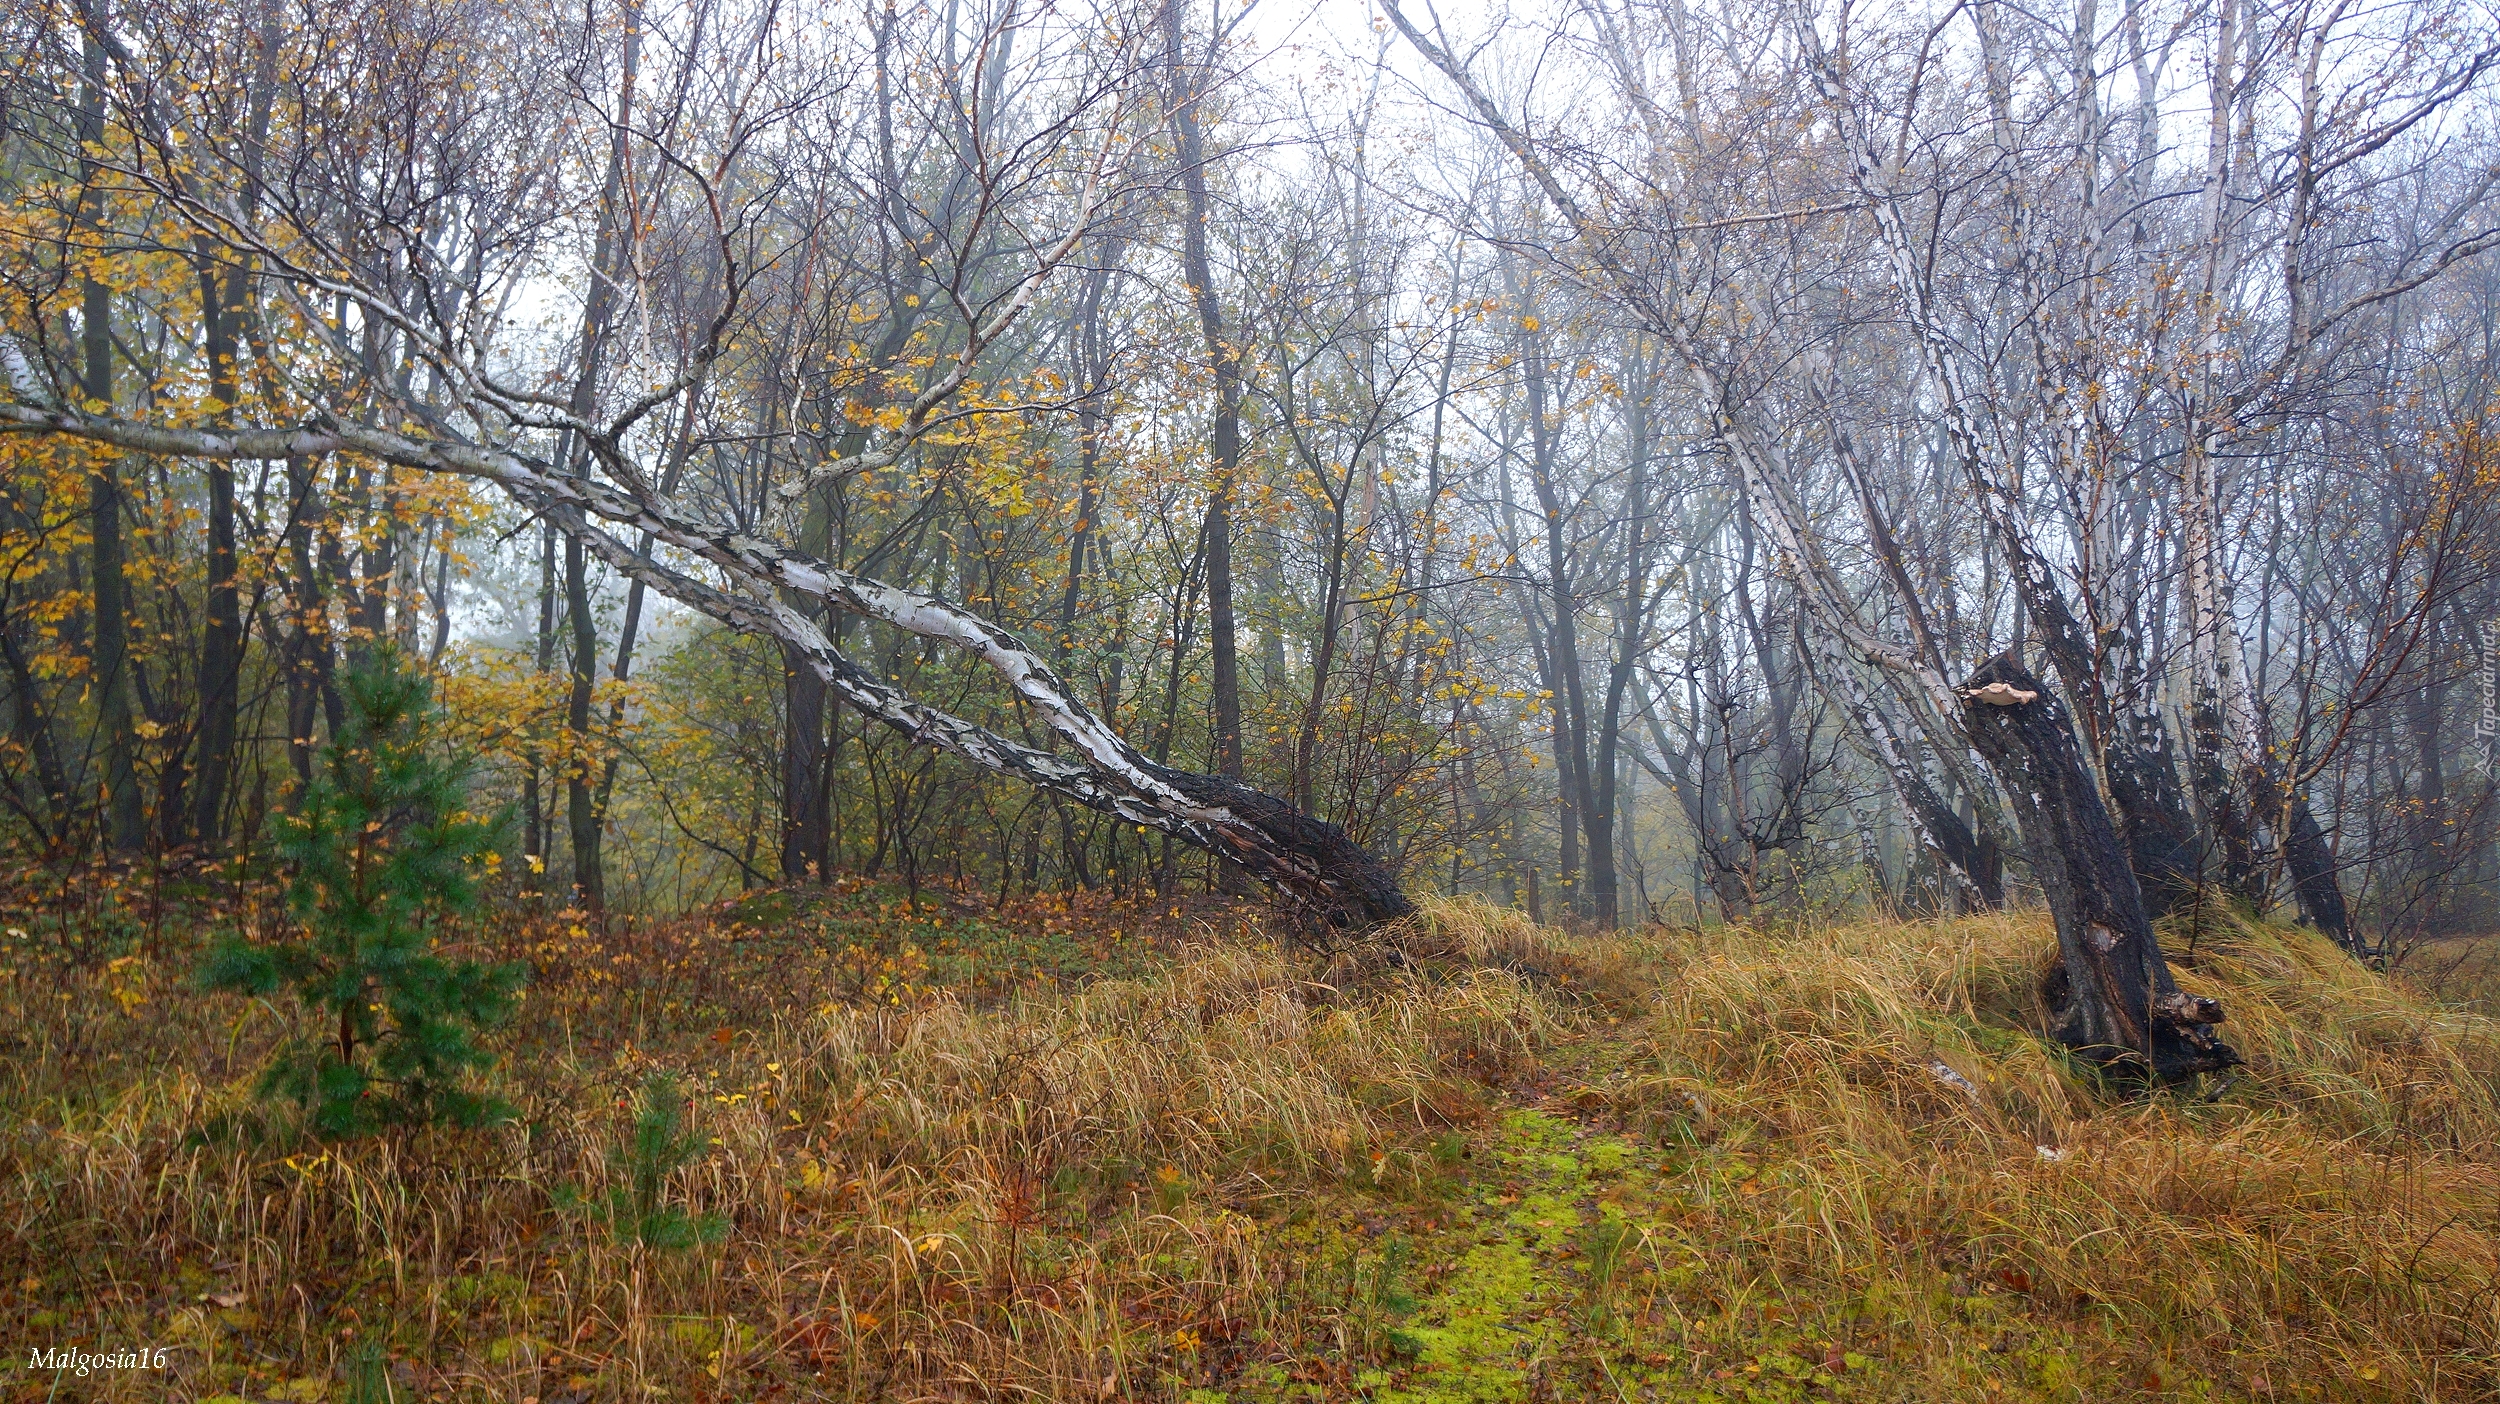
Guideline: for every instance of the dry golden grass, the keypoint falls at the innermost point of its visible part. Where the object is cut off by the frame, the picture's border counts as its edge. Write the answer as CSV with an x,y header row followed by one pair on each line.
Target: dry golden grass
x,y
2324,1223
1483,1161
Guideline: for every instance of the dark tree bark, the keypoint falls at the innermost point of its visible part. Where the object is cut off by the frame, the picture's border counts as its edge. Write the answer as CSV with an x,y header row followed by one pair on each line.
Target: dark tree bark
x,y
1631,622
2143,775
806,820
1088,427
580,807
31,727
2233,828
1225,441
2112,999
2311,859
533,796
811,715
1582,814
125,826
609,248
307,655
1093,353
377,564
636,596
1966,849
221,635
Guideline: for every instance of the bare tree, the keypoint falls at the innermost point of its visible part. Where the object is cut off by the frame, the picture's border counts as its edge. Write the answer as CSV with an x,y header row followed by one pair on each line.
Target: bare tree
x,y
445,399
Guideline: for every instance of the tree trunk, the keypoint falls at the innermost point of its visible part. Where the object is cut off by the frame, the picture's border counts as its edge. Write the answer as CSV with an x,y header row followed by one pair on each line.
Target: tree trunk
x,y
1631,623
811,721
2111,999
636,595
377,565
2237,771
308,643
31,727
2150,807
533,790
2311,858
807,711
1089,426
2209,771
1094,356
1564,677
608,253
581,808
2143,777
1225,441
221,634
1973,867
125,825
806,828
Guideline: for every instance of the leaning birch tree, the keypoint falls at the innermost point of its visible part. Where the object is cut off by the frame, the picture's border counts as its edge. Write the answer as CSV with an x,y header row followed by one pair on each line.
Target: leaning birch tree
x,y
411,189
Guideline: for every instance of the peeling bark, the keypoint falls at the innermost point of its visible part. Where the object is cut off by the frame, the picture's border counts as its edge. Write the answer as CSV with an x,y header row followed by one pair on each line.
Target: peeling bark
x,y
1338,885
2111,999
2143,780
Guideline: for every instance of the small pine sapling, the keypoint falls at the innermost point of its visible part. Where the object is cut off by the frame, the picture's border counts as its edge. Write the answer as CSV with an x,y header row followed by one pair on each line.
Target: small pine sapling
x,y
659,1147
383,850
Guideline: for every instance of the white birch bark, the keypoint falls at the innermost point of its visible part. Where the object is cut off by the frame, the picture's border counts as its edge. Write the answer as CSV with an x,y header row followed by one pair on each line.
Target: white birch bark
x,y
1311,860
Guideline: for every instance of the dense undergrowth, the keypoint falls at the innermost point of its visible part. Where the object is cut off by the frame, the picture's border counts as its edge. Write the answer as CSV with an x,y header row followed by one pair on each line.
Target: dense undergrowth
x,y
947,1151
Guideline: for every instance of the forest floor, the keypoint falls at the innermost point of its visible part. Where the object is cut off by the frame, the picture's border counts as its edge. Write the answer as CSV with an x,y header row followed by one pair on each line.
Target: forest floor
x,y
1108,1150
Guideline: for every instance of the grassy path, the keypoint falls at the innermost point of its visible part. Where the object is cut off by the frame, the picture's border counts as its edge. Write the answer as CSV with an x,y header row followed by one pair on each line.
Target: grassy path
x,y
1550,1252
